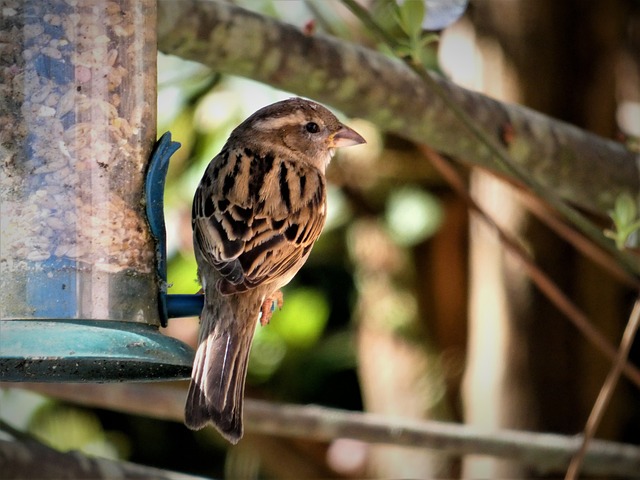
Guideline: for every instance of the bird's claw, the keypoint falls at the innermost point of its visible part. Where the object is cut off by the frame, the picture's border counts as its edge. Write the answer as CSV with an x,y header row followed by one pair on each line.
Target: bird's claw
x,y
276,300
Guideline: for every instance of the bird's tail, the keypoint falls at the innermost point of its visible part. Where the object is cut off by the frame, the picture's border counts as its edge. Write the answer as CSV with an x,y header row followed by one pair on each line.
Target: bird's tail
x,y
219,370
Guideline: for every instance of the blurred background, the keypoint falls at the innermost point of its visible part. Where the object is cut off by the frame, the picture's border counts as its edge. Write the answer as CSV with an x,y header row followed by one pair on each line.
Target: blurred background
x,y
408,305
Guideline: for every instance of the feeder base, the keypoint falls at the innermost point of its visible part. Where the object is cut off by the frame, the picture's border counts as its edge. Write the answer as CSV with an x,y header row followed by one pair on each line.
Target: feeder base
x,y
89,351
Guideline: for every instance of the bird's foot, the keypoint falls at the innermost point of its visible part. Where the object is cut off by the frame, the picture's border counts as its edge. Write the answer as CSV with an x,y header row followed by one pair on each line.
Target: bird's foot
x,y
276,300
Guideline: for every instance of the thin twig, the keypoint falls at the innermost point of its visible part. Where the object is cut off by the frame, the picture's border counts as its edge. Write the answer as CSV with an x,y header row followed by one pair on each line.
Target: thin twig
x,y
367,20
544,452
544,213
538,277
606,392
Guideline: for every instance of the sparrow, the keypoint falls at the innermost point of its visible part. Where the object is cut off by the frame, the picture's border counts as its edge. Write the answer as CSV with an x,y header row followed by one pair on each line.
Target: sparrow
x,y
257,212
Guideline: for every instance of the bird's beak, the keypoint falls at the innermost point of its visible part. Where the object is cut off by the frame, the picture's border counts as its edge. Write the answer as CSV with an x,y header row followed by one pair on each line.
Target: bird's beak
x,y
345,137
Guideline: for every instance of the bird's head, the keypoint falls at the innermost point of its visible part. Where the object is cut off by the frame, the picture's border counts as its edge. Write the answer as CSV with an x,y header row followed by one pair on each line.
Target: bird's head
x,y
300,129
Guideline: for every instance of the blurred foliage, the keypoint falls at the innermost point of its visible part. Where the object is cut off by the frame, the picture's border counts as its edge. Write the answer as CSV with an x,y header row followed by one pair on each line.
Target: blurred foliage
x,y
67,428
18,407
297,327
412,215
61,426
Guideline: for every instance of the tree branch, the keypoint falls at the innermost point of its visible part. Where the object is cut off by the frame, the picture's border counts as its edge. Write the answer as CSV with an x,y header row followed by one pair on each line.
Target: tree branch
x,y
581,167
544,452
21,459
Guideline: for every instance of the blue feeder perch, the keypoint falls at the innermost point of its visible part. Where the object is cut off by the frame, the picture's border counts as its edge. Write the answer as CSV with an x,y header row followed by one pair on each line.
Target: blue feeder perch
x,y
82,260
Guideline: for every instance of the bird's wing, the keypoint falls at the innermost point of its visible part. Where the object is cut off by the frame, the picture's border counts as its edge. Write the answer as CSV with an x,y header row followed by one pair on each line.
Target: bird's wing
x,y
256,218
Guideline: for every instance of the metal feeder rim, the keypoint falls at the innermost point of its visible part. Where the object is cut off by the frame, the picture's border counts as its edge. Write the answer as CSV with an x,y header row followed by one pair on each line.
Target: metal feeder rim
x,y
89,351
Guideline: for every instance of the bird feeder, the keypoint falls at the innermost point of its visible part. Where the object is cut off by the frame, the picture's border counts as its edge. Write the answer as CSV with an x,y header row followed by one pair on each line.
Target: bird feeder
x,y
79,288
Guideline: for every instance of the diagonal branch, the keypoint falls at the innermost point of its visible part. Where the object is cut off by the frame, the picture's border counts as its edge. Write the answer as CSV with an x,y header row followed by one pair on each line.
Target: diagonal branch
x,y
537,276
581,167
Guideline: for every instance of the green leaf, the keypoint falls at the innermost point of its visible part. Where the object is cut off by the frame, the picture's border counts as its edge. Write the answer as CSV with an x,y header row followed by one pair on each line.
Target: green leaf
x,y
410,16
67,428
625,210
625,220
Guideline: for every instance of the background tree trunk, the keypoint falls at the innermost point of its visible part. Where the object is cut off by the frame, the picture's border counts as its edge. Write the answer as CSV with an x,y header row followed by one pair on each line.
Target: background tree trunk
x,y
528,368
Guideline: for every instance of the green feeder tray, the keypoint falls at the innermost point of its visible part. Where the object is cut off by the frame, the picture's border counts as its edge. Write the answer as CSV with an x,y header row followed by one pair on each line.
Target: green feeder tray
x,y
89,351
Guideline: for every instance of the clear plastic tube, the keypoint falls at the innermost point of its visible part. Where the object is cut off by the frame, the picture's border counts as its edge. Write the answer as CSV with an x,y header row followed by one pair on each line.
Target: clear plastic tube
x,y
77,125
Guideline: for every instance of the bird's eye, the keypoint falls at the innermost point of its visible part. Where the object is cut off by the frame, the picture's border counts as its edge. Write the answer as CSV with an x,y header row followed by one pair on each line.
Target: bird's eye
x,y
312,127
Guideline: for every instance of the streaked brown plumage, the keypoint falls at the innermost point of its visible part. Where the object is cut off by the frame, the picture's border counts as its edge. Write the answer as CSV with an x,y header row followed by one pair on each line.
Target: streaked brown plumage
x,y
257,212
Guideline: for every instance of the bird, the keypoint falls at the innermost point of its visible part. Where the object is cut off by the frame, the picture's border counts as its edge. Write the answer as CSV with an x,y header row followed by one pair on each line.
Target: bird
x,y
257,212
